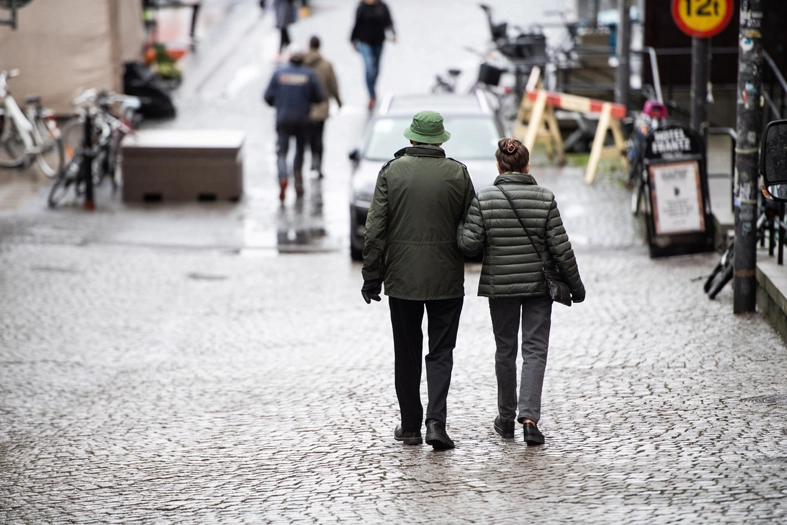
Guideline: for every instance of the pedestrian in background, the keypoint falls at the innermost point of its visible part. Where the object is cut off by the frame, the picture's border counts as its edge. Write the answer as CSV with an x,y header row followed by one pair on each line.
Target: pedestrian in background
x,y
286,15
410,244
512,279
372,21
292,91
320,111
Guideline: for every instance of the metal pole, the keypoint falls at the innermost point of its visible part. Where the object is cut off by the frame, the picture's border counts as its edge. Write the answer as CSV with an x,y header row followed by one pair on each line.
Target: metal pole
x,y
750,109
654,68
623,73
700,67
594,13
87,163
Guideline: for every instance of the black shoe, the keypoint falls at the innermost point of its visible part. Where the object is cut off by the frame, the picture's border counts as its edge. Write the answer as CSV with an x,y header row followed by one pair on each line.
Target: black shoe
x,y
408,438
533,436
504,428
437,436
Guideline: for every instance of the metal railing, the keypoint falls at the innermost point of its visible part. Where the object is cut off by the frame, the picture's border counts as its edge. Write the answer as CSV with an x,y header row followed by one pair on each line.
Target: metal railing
x,y
774,90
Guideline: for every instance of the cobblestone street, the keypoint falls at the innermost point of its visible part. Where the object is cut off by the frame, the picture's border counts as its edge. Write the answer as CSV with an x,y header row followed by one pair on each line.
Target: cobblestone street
x,y
185,364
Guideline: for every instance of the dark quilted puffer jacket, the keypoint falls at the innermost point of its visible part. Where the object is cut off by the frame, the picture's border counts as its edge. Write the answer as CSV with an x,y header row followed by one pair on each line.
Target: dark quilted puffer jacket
x,y
511,267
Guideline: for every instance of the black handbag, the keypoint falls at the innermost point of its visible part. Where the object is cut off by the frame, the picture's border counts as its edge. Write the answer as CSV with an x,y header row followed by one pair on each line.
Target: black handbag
x,y
558,289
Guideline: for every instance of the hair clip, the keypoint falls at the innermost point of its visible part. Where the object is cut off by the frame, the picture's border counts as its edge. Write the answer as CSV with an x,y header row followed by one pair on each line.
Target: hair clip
x,y
510,147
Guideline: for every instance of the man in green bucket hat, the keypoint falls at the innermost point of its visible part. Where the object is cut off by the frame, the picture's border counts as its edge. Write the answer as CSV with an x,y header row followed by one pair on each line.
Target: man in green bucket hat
x,y
410,245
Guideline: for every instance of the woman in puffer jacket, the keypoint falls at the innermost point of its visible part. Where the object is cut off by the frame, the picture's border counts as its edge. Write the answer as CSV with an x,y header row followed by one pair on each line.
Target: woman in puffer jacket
x,y
512,279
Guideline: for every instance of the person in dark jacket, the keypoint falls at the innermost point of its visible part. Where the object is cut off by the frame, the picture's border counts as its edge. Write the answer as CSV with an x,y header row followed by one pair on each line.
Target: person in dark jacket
x,y
286,15
320,111
410,244
372,20
292,91
512,279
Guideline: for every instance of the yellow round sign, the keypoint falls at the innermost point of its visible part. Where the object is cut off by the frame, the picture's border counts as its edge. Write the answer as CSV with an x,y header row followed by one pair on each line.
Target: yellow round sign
x,y
702,18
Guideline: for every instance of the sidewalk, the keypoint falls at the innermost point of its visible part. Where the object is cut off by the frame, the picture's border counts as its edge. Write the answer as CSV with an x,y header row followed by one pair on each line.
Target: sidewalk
x,y
771,277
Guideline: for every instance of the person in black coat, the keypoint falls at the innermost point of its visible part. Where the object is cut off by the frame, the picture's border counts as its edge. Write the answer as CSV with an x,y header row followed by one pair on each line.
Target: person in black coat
x,y
372,22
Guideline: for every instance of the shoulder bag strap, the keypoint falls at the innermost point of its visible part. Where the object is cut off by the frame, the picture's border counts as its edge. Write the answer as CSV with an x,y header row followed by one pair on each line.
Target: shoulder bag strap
x,y
511,203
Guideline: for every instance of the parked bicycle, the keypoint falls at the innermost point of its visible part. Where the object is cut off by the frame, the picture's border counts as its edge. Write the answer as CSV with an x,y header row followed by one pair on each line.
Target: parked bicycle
x,y
104,152
493,66
28,136
722,273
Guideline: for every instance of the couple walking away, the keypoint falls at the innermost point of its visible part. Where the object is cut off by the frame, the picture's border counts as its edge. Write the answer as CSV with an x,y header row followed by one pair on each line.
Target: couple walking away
x,y
300,92
424,217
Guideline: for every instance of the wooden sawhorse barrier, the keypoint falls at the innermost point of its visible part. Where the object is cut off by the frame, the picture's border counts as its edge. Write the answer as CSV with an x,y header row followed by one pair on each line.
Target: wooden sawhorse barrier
x,y
538,110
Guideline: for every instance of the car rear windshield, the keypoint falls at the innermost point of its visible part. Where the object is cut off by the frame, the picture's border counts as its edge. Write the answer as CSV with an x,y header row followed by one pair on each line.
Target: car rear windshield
x,y
472,137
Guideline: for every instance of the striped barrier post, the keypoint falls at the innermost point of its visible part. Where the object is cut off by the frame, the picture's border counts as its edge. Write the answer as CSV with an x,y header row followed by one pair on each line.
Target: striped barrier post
x,y
539,105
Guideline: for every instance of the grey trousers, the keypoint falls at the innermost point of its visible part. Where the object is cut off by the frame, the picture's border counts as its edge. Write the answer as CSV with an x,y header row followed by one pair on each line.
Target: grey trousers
x,y
535,313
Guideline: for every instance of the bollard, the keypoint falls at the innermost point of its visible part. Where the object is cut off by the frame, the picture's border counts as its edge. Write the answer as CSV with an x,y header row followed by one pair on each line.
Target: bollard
x,y
86,169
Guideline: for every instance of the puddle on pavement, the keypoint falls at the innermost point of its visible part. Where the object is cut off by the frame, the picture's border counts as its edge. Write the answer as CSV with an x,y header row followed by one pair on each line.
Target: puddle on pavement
x,y
206,277
54,269
775,399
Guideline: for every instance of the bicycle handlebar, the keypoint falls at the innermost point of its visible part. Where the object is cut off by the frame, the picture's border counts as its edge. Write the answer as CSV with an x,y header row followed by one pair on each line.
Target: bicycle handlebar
x,y
91,97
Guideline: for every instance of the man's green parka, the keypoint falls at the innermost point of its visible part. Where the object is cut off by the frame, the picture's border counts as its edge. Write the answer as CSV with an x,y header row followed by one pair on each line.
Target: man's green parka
x,y
410,242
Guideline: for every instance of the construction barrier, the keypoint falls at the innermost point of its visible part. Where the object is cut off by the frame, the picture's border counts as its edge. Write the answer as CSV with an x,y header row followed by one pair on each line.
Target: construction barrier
x,y
538,110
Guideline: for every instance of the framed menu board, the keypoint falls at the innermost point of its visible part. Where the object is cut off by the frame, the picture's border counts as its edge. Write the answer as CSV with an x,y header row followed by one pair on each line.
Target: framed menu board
x,y
676,198
678,217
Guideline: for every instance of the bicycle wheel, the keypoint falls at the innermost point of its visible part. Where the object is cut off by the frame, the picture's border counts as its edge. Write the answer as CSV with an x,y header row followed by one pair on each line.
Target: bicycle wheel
x,y
711,277
509,106
72,133
12,148
101,167
637,196
65,181
721,279
52,155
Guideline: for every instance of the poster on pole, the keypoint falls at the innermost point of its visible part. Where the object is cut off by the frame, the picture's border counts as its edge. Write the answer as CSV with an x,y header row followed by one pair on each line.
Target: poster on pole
x,y
676,194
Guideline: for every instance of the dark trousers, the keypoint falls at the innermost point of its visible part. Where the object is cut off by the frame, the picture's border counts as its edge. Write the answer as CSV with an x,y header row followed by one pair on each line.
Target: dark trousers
x,y
535,314
285,39
285,131
443,324
315,140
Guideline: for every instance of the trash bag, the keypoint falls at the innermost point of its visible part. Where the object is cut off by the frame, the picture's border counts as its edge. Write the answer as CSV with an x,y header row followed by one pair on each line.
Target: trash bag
x,y
154,97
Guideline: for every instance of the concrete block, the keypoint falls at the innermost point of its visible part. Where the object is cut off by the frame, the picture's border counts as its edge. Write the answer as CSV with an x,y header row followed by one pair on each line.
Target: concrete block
x,y
183,165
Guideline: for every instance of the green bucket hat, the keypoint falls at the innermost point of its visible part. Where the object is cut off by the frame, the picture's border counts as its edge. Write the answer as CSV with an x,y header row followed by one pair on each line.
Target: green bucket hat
x,y
427,127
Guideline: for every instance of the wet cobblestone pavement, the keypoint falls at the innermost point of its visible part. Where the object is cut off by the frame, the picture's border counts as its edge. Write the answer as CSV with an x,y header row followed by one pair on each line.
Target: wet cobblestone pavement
x,y
187,364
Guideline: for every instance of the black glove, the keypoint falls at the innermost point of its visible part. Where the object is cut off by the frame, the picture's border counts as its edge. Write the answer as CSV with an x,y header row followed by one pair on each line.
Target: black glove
x,y
371,290
577,298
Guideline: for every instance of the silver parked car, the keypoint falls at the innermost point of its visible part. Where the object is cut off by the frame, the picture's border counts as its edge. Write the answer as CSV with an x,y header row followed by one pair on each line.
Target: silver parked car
x,y
475,129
